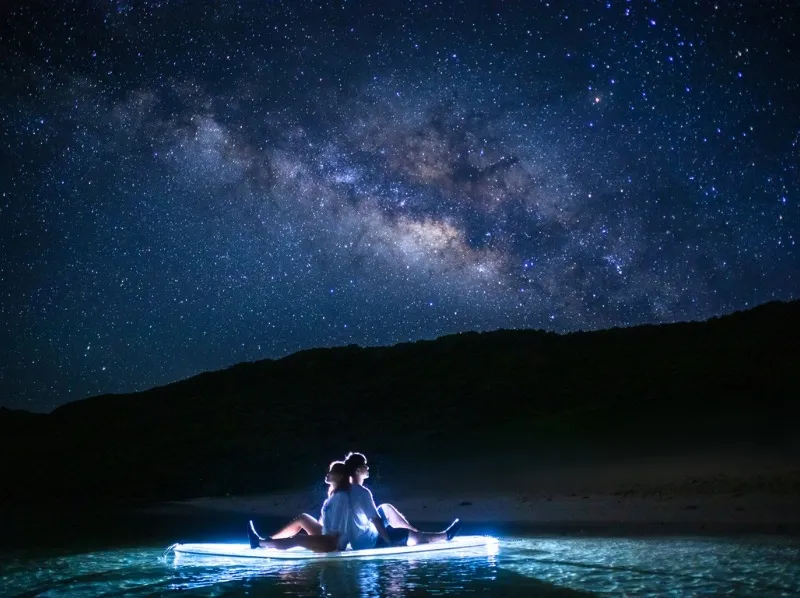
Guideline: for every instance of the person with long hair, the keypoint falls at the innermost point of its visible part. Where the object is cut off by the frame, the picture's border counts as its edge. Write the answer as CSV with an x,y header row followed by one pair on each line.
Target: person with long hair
x,y
327,534
376,527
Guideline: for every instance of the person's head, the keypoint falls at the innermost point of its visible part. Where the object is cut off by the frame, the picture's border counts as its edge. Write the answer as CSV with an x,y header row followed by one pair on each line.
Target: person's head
x,y
357,467
337,478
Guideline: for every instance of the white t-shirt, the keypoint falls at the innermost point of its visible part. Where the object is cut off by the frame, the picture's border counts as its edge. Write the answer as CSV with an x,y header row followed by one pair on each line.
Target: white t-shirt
x,y
336,517
363,533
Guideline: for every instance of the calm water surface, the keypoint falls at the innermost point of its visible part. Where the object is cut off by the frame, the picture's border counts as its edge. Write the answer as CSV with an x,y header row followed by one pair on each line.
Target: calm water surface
x,y
522,566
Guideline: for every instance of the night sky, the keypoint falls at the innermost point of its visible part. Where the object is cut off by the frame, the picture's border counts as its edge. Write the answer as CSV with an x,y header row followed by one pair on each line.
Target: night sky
x,y
186,186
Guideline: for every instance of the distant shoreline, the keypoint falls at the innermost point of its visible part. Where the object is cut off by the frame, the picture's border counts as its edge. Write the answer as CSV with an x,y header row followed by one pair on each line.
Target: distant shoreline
x,y
709,494
595,515
691,494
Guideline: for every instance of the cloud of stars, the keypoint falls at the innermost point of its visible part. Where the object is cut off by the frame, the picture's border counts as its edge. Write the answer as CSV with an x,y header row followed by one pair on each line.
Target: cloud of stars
x,y
188,187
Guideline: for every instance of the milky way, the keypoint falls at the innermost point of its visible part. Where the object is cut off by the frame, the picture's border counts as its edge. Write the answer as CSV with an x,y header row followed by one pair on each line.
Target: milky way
x,y
187,186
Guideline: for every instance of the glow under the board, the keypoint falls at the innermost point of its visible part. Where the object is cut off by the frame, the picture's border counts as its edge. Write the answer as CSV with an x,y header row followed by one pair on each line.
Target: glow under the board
x,y
244,550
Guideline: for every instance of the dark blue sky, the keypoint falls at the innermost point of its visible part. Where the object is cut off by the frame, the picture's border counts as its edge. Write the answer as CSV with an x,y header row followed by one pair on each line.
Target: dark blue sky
x,y
185,187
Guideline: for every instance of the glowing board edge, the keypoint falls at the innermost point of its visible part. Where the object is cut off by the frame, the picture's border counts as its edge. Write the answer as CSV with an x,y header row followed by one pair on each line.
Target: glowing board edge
x,y
244,550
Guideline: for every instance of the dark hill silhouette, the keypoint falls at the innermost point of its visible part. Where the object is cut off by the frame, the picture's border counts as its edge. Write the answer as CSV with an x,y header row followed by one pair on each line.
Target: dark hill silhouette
x,y
271,424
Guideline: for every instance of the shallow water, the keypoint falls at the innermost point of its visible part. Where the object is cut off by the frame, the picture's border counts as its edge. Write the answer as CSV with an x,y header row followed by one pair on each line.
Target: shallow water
x,y
521,566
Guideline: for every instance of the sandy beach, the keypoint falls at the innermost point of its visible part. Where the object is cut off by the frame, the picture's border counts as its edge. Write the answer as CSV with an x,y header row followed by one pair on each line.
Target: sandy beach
x,y
698,493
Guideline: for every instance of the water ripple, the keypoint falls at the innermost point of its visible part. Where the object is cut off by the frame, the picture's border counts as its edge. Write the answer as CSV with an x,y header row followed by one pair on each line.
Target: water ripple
x,y
661,566
562,566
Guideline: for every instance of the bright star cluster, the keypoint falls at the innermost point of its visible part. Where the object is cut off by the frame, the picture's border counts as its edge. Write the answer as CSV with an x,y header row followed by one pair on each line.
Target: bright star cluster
x,y
188,185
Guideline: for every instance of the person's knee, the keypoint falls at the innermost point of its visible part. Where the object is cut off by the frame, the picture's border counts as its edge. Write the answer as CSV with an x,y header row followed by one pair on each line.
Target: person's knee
x,y
385,508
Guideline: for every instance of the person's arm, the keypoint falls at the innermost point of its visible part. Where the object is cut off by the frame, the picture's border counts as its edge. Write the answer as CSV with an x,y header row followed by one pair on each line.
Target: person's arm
x,y
372,513
381,529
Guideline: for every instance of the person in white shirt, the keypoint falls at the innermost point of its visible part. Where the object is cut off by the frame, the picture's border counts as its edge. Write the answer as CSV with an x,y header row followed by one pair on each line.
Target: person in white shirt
x,y
330,533
376,527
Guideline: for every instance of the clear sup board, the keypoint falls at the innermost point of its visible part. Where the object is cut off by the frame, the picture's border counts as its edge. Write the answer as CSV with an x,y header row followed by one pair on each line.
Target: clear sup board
x,y
244,551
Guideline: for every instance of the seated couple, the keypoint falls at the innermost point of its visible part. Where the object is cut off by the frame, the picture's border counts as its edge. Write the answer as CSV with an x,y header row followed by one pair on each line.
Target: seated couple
x,y
349,516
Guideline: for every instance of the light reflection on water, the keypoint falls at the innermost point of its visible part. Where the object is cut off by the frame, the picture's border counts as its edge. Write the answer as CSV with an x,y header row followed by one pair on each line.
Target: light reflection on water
x,y
766,566
522,567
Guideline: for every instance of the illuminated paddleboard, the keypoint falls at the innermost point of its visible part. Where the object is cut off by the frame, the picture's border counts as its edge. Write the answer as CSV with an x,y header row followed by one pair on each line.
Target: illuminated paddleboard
x,y
244,550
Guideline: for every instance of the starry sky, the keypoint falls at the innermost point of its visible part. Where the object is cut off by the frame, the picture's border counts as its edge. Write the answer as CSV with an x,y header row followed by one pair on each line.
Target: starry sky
x,y
187,185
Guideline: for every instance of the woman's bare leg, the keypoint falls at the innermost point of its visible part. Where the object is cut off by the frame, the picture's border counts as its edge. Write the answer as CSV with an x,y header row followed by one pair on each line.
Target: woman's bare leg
x,y
317,543
415,537
395,518
303,522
